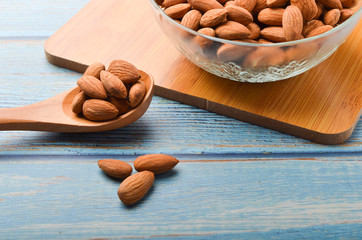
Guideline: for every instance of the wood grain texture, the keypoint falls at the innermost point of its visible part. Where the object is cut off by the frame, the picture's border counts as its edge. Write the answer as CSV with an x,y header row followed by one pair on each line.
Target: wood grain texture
x,y
167,126
296,106
200,200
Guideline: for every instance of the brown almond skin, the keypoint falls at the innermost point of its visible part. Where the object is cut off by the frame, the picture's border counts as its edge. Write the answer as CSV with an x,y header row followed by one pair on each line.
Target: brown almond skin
x,y
311,25
192,19
121,104
77,103
292,23
349,3
213,17
205,5
254,30
274,34
308,8
204,42
319,30
331,4
332,17
156,163
247,4
94,69
113,85
232,31
115,168
345,14
271,16
135,187
99,110
276,3
92,87
177,11
260,5
239,14
125,71
136,94
169,3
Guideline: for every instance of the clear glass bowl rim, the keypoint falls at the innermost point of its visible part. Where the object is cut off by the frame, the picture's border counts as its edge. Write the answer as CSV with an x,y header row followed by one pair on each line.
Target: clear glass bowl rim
x,y
283,44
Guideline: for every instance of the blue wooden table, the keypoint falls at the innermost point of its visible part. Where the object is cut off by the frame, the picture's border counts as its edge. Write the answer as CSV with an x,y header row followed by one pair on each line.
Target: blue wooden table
x,y
234,180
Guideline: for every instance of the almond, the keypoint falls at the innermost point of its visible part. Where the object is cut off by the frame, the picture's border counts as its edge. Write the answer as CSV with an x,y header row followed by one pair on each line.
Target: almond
x,y
92,87
301,52
99,110
94,69
231,52
331,17
229,3
77,103
136,94
331,4
213,17
239,14
169,3
232,30
271,16
276,3
260,5
121,104
265,57
308,8
349,3
192,19
177,11
247,4
202,41
264,41
320,10
275,34
292,23
319,30
205,5
254,30
115,168
113,85
156,163
311,25
135,187
125,71
345,14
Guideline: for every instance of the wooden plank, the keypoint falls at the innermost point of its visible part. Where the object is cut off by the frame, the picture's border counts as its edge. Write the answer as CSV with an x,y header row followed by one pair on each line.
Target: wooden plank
x,y
70,198
320,105
168,127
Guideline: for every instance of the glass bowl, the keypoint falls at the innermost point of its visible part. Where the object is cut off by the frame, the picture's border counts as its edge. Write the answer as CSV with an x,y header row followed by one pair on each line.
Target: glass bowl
x,y
253,62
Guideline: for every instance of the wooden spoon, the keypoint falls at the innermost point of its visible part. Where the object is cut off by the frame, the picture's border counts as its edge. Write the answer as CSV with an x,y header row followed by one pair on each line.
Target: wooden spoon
x,y
55,114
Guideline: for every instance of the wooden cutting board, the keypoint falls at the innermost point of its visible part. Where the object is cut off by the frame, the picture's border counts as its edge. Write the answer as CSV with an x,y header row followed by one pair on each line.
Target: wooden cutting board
x,y
322,105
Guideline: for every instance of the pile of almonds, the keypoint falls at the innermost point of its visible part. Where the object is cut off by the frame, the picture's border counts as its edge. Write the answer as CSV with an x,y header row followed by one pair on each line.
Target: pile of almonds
x,y
259,21
134,187
106,94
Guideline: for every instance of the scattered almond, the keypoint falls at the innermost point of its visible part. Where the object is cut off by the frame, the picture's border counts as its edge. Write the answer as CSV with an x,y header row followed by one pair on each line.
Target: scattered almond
x,y
156,163
135,187
115,168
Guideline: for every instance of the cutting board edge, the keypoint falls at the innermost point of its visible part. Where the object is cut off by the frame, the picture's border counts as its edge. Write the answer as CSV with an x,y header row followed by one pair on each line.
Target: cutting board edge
x,y
259,120
297,131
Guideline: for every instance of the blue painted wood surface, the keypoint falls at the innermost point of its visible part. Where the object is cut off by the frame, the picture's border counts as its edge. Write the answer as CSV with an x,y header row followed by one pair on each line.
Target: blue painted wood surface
x,y
234,181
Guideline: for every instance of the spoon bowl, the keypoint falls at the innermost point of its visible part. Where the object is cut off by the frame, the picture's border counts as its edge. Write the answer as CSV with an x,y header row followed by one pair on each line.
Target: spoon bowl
x,y
55,114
